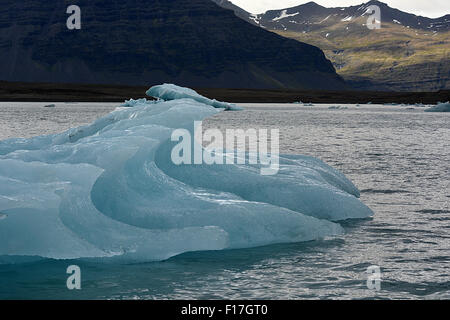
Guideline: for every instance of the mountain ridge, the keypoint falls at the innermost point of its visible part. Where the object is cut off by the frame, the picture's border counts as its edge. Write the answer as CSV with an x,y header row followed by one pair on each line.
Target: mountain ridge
x,y
305,10
408,53
191,43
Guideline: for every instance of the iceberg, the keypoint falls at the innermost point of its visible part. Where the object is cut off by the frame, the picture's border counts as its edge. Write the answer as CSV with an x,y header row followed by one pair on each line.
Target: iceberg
x,y
170,92
440,107
132,102
109,190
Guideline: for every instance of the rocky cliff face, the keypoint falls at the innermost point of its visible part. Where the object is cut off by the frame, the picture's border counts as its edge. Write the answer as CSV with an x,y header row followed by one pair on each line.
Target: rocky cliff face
x,y
189,42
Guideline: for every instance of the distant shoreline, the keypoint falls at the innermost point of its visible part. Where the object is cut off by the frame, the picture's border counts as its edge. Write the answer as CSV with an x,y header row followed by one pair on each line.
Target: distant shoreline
x,y
53,92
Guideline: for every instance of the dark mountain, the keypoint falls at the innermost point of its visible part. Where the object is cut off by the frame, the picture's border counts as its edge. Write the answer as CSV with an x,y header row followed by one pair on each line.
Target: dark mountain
x,y
241,13
408,53
189,42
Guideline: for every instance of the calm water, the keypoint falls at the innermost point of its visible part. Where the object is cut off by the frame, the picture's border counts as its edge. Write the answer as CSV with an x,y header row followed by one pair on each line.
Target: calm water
x,y
398,157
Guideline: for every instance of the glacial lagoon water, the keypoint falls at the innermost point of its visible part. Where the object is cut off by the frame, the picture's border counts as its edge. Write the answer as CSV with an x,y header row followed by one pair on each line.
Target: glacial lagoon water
x,y
399,157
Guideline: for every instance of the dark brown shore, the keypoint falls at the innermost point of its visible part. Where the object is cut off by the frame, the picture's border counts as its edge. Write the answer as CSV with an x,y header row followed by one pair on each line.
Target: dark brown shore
x,y
51,92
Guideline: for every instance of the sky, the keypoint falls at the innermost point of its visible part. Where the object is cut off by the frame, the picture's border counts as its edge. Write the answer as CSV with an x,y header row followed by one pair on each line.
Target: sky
x,y
427,8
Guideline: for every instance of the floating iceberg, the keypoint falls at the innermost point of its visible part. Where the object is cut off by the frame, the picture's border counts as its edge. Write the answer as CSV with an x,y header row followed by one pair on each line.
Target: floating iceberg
x,y
133,103
110,190
441,107
170,92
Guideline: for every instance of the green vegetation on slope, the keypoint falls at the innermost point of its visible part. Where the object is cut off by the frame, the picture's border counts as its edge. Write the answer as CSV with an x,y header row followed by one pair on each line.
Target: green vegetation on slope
x,y
394,57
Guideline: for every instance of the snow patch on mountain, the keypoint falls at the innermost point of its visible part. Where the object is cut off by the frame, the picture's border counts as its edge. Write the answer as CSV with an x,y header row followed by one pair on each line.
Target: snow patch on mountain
x,y
284,15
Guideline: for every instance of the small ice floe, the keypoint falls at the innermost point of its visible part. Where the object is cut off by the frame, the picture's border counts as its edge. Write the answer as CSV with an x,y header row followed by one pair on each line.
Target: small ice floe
x,y
50,106
3,216
440,107
132,103
337,108
298,102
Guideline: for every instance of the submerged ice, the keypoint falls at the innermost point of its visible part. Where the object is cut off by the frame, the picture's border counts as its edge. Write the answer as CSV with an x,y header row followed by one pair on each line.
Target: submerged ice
x,y
110,189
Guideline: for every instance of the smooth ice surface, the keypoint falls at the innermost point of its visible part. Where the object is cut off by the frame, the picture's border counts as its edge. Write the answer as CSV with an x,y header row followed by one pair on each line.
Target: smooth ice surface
x,y
441,107
110,189
172,92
